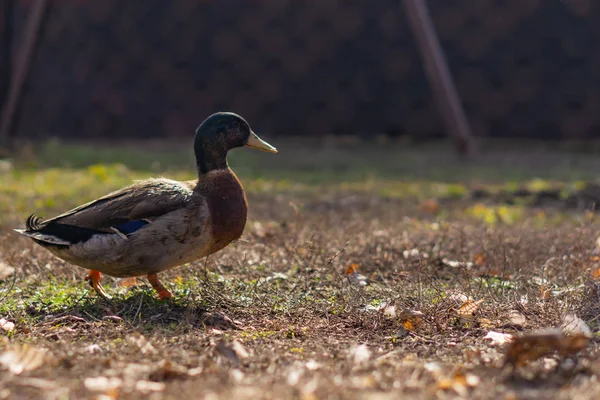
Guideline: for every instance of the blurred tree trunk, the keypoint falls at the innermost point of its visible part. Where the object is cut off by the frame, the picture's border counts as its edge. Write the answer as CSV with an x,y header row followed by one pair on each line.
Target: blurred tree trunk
x,y
439,76
19,71
6,36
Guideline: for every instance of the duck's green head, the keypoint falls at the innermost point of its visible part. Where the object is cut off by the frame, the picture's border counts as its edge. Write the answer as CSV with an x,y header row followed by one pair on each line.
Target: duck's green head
x,y
220,133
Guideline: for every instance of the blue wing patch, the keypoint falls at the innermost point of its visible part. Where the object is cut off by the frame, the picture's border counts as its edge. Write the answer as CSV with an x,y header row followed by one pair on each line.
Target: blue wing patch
x,y
131,226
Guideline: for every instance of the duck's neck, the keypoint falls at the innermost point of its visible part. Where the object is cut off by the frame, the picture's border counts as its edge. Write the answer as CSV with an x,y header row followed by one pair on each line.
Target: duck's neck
x,y
209,158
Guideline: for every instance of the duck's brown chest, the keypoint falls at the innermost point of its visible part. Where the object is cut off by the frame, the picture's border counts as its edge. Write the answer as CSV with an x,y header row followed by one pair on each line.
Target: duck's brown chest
x,y
227,205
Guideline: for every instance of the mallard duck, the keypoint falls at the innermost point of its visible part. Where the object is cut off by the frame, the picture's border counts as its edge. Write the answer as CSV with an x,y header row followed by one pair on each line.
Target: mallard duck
x,y
157,224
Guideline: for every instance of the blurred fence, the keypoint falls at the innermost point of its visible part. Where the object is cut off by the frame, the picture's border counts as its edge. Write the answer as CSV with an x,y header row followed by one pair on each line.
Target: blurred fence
x,y
114,68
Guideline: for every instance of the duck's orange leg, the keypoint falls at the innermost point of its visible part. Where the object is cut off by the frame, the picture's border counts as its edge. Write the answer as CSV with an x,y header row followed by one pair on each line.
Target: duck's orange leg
x,y
94,279
163,292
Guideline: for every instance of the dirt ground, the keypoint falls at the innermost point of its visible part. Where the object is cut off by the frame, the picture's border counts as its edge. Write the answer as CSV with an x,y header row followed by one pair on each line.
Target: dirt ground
x,y
331,293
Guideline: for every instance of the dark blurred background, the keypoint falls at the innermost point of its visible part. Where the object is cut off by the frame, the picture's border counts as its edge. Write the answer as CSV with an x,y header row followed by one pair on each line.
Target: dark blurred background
x,y
156,68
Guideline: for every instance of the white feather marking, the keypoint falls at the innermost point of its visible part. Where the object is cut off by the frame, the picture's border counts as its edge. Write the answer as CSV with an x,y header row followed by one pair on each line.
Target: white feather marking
x,y
118,232
44,238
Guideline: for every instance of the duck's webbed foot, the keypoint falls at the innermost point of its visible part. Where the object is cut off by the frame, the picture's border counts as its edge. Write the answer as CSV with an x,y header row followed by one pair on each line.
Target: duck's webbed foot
x,y
163,292
94,279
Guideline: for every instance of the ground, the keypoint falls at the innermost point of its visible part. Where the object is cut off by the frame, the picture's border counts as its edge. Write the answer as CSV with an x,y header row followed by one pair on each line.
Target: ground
x,y
365,271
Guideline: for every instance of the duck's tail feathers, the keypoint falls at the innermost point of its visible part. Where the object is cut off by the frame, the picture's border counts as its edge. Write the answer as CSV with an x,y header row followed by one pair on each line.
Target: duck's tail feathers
x,y
54,233
34,223
42,238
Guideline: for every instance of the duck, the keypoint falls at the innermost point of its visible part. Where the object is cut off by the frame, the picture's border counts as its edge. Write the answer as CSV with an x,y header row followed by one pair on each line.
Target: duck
x,y
157,224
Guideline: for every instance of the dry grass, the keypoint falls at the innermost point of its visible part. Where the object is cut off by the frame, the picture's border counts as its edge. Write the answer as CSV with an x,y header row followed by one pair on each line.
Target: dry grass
x,y
275,315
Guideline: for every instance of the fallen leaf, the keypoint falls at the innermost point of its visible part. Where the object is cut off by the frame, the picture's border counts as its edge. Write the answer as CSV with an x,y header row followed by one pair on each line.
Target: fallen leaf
x,y
360,354
456,264
236,375
93,349
5,271
232,351
275,276
389,311
239,349
149,386
42,384
468,309
410,319
458,297
430,206
487,323
7,325
545,292
354,277
294,376
573,325
498,338
23,358
516,318
142,343
530,347
178,280
434,367
263,231
312,365
460,382
168,370
102,383
479,259
219,321
412,253
127,282
352,268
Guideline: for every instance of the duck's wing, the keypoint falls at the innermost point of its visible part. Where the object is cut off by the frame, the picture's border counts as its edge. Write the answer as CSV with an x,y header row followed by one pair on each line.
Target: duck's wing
x,y
121,212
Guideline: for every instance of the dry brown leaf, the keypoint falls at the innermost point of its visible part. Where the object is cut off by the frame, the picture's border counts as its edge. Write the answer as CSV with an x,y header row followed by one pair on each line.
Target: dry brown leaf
x,y
545,292
530,347
458,297
410,319
6,325
468,309
127,282
487,323
23,358
168,370
498,338
178,280
479,259
430,206
219,321
352,269
354,277
460,382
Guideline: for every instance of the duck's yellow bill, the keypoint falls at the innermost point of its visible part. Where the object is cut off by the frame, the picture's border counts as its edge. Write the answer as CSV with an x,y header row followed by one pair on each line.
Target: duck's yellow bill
x,y
257,143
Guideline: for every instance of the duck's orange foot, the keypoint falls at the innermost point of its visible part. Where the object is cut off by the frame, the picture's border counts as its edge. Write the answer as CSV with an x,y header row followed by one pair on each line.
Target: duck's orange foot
x,y
94,279
163,292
